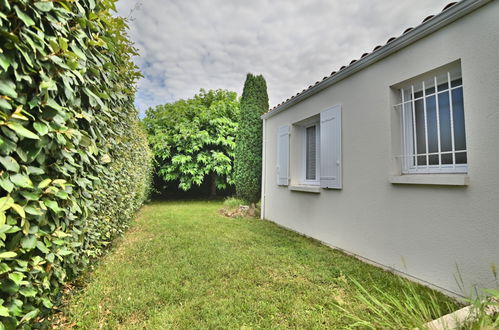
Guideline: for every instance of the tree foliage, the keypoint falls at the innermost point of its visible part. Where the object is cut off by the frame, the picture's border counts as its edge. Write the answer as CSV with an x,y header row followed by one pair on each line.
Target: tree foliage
x,y
74,161
248,154
193,140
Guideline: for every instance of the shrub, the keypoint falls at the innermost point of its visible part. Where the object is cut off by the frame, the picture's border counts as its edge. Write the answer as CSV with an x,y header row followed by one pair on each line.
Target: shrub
x,y
248,154
75,163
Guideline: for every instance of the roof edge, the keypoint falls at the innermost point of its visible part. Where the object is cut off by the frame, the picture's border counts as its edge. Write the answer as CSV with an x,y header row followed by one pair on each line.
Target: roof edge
x,y
440,20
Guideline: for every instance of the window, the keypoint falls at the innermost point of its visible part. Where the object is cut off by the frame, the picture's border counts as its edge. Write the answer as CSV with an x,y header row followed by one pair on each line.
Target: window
x,y
312,152
316,152
432,122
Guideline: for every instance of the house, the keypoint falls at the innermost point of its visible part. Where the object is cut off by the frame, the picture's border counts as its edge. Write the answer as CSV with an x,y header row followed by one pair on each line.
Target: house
x,y
395,157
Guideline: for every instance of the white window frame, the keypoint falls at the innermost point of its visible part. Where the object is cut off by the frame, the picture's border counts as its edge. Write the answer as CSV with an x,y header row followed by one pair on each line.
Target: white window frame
x,y
303,153
406,109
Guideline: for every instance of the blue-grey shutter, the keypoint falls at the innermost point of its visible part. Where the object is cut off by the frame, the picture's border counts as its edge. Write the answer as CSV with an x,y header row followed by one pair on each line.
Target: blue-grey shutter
x,y
283,156
331,148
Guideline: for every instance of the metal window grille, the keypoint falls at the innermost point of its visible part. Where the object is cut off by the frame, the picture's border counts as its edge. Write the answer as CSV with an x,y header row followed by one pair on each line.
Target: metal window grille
x,y
433,128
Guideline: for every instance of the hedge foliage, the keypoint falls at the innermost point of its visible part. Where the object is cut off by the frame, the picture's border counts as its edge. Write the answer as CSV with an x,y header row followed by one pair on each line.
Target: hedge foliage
x,y
248,155
193,140
74,161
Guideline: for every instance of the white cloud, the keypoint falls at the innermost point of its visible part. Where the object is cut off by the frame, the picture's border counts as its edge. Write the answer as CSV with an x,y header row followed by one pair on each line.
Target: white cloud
x,y
188,45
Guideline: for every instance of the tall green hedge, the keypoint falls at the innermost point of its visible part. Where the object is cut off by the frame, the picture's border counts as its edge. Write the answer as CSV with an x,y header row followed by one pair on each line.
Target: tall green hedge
x,y
248,154
75,164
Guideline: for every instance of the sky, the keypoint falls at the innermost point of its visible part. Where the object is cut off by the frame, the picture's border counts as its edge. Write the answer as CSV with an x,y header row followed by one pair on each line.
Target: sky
x,y
186,45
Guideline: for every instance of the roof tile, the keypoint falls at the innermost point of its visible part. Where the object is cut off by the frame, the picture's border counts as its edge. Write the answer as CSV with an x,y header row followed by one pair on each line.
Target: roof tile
x,y
428,18
449,5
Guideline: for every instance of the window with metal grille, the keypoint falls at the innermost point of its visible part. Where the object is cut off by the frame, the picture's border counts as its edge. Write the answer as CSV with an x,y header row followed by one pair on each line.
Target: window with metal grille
x,y
433,128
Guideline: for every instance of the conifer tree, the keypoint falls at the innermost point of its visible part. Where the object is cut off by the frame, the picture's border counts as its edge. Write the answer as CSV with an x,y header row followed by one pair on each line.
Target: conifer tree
x,y
248,153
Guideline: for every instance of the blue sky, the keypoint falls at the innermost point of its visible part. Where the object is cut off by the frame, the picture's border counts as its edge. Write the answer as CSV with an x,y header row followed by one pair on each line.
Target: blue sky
x,y
188,45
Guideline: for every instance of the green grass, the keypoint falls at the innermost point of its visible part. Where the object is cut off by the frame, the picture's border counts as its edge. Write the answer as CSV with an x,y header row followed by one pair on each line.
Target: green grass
x,y
182,265
233,202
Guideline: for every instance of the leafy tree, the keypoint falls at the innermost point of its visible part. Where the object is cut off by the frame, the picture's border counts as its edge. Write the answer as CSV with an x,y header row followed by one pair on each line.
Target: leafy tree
x,y
193,140
248,155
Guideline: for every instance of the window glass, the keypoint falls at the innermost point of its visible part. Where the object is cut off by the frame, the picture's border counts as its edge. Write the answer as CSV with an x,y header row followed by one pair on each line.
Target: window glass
x,y
433,124
431,119
458,110
311,152
420,131
445,129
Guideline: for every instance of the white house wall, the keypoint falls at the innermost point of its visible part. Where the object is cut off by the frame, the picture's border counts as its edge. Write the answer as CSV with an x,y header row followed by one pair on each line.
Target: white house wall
x,y
421,230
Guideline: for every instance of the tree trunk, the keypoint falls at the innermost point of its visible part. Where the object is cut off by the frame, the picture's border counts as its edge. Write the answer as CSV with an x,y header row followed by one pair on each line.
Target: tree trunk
x,y
213,192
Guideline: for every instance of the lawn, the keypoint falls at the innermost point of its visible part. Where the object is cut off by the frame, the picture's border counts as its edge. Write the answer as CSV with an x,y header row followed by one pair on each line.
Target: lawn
x,y
183,265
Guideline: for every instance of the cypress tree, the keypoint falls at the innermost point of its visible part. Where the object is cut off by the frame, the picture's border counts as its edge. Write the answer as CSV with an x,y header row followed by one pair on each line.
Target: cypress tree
x,y
248,153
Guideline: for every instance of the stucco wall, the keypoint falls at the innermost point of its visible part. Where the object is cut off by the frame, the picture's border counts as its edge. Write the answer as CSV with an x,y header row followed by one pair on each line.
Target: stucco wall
x,y
421,230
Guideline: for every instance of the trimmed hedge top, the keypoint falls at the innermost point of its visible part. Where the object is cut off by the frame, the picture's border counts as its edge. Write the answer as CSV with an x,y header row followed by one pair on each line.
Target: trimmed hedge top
x,y
74,162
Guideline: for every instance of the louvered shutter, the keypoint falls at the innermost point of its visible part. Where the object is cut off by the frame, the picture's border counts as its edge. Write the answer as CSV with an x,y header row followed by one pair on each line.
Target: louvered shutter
x,y
283,156
331,148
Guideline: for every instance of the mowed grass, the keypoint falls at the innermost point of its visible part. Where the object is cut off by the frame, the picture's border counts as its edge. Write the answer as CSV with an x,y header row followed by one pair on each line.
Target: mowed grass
x,y
182,265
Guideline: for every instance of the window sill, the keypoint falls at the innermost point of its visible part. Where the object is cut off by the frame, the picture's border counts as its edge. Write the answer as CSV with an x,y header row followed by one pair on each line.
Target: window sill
x,y
432,179
306,188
